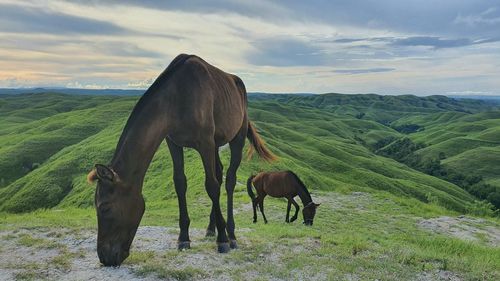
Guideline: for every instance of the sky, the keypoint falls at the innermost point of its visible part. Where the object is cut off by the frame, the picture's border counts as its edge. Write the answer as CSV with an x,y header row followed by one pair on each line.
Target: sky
x,y
392,47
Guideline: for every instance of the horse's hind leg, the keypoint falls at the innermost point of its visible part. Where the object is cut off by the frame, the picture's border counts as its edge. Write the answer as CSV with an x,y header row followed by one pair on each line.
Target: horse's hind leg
x,y
218,173
261,206
254,205
296,210
236,146
207,153
288,211
180,188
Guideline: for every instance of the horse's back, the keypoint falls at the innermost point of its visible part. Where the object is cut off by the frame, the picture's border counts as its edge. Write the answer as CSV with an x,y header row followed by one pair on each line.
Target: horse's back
x,y
277,184
203,101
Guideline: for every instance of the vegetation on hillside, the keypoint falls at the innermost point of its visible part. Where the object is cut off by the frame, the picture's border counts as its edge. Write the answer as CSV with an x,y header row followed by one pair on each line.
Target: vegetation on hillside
x,y
46,154
357,160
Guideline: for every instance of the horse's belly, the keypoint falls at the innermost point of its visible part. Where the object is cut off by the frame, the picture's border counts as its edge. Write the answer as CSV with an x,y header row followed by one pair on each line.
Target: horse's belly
x,y
228,119
276,192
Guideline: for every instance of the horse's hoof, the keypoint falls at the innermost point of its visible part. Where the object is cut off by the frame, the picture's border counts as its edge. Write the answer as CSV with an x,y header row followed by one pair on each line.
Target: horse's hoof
x,y
184,245
210,233
293,219
233,244
265,222
223,247
254,221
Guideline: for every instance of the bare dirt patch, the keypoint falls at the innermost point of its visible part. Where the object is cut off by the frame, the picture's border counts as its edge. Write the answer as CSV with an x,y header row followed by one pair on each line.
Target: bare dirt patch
x,y
463,227
72,255
67,254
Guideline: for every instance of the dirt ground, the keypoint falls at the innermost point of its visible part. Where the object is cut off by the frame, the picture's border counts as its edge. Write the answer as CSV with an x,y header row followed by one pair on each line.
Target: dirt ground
x,y
69,254
64,254
16,259
463,227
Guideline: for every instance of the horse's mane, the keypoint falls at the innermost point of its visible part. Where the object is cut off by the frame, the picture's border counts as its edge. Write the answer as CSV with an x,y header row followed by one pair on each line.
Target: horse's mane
x,y
300,183
179,60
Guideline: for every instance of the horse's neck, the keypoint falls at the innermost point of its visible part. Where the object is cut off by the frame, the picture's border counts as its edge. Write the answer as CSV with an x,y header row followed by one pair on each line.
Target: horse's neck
x,y
143,133
304,196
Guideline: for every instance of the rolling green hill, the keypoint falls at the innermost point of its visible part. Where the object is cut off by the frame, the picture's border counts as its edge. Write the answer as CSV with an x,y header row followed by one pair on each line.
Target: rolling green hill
x,y
49,142
469,143
378,219
465,144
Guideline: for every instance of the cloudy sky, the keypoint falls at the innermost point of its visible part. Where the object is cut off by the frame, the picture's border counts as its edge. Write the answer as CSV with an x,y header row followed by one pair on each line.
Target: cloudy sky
x,y
348,46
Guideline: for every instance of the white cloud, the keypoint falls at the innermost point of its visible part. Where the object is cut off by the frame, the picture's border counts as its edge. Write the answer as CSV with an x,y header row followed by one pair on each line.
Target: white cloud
x,y
140,84
257,48
78,85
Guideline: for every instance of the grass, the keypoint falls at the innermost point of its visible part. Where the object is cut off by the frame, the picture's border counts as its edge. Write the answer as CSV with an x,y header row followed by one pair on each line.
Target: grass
x,y
186,273
63,261
54,150
366,227
27,240
27,275
367,235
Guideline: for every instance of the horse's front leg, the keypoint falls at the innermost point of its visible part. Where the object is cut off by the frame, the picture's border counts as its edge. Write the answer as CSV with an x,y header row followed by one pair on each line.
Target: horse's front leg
x,y
296,210
180,188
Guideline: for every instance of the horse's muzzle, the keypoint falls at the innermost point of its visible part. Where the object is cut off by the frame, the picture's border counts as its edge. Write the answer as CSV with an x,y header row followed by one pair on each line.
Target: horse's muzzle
x,y
113,256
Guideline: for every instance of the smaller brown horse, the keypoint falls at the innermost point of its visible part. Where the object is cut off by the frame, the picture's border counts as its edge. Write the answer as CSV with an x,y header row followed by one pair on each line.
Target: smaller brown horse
x,y
281,185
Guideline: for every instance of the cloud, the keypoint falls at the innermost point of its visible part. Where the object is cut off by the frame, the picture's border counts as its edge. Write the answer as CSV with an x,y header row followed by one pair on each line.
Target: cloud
x,y
491,16
285,52
117,48
469,93
78,85
363,71
143,84
263,9
427,41
435,42
303,46
22,19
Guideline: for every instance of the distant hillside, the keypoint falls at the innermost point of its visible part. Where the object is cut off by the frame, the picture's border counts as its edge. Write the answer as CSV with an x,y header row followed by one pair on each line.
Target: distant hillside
x,y
386,109
48,142
494,99
457,139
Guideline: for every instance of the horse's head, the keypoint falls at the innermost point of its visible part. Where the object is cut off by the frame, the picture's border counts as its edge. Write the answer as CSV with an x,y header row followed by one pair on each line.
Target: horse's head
x,y
309,212
119,211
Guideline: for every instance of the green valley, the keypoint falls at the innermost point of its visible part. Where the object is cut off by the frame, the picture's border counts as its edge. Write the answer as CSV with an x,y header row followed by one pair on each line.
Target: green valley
x,y
354,152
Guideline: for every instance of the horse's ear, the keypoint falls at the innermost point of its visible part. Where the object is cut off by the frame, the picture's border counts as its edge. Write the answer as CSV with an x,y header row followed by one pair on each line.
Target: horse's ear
x,y
104,173
92,176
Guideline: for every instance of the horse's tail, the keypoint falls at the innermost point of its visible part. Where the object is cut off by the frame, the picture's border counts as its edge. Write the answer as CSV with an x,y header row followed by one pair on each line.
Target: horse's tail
x,y
257,144
249,188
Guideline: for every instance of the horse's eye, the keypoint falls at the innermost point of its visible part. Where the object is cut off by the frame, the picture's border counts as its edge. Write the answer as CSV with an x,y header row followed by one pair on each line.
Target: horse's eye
x,y
104,208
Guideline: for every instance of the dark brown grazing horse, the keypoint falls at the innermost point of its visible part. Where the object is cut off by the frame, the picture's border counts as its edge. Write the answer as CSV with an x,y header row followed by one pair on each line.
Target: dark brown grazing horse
x,y
281,184
191,104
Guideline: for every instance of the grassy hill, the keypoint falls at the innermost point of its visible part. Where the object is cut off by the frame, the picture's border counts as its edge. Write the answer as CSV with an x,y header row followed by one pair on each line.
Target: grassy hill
x,y
50,141
468,142
368,226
